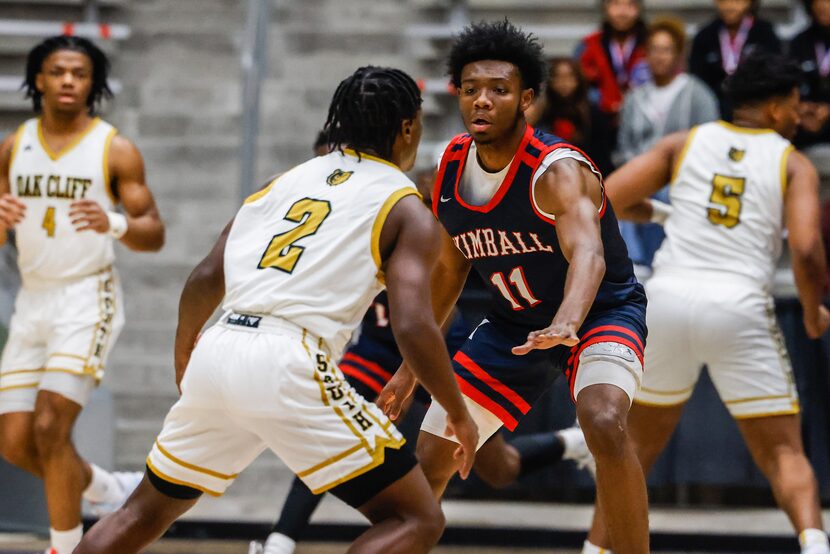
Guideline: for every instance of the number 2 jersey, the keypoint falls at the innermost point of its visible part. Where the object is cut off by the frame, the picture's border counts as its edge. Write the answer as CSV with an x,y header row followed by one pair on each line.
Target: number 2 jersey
x,y
50,250
728,199
513,244
307,247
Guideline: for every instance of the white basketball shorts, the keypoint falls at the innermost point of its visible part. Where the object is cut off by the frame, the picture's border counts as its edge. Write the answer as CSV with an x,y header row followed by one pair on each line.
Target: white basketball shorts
x,y
259,383
723,323
59,340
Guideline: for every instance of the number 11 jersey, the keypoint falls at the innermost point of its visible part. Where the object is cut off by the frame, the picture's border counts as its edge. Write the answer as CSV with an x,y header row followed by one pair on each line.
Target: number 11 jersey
x,y
307,247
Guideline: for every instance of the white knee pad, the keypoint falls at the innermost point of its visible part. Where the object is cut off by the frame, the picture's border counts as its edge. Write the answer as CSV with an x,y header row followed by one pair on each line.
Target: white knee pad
x,y
609,363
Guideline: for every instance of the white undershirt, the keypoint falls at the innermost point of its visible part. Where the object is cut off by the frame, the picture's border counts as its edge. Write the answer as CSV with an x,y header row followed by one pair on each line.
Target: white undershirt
x,y
478,186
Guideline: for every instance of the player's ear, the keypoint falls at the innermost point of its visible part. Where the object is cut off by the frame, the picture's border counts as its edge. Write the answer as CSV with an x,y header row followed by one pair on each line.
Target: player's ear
x,y
526,99
39,82
407,130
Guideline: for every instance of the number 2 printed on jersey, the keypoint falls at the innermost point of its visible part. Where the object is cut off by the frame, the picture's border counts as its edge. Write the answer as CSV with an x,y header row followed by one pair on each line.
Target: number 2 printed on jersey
x,y
281,252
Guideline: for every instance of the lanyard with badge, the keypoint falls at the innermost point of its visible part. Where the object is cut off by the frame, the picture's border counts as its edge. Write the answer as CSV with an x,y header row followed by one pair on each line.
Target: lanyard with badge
x,y
620,56
730,49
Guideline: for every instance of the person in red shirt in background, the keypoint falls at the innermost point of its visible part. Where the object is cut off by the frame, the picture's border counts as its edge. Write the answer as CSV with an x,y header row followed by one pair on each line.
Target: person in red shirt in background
x,y
613,58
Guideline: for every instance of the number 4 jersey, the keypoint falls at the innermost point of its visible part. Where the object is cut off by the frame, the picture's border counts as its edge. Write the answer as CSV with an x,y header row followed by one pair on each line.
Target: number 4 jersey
x,y
50,250
728,198
306,248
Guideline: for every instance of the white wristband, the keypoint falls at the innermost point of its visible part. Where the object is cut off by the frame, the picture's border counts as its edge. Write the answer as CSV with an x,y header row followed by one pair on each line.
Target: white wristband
x,y
118,224
660,212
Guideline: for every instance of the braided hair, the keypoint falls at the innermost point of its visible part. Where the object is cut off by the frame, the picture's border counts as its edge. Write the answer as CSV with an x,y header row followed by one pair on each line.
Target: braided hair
x,y
368,108
100,68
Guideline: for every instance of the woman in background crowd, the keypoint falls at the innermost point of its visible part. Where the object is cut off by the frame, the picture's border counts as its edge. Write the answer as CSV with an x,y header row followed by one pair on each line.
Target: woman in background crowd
x,y
811,50
564,110
719,46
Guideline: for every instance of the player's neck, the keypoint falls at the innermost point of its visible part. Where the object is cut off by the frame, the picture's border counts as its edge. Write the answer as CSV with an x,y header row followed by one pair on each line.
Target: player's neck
x,y
749,120
495,156
61,123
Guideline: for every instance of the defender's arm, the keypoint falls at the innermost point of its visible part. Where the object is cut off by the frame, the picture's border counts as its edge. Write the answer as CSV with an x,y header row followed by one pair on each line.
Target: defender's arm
x,y
12,210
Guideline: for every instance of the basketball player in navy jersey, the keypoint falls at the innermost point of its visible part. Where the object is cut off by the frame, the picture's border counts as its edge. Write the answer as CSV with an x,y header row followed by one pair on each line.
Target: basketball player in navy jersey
x,y
529,213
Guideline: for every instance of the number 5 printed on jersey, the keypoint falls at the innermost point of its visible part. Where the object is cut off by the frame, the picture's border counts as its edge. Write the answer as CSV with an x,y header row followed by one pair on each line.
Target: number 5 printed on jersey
x,y
725,202
282,253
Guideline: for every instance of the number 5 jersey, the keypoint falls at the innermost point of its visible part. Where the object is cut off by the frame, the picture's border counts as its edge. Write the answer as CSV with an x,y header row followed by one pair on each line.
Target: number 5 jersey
x,y
728,198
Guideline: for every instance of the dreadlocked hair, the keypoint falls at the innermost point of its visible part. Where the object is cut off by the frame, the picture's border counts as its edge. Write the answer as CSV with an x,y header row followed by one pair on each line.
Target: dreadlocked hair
x,y
368,108
100,68
501,41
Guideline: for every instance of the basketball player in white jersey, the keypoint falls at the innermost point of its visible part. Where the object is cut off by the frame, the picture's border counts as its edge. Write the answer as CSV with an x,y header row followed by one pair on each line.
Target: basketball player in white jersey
x,y
298,267
61,176
734,188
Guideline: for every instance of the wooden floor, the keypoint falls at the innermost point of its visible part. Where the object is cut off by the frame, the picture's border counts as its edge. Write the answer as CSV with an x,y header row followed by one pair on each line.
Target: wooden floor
x,y
27,545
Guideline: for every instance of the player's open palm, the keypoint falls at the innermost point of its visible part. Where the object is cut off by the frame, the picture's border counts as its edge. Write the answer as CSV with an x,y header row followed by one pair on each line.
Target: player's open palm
x,y
393,398
88,215
816,328
466,431
556,334
12,211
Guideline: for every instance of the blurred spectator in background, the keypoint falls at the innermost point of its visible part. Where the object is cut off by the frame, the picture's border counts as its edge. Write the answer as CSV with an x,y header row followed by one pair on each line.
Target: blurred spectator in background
x,y
720,45
564,110
613,58
811,50
671,101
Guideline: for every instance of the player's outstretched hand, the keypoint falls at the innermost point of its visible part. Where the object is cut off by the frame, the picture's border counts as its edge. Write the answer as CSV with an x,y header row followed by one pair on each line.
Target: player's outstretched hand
x,y
12,211
88,215
816,328
393,398
556,334
466,431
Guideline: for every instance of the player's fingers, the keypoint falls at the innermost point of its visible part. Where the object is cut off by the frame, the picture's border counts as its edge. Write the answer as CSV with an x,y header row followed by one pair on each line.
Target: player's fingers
x,y
466,455
524,348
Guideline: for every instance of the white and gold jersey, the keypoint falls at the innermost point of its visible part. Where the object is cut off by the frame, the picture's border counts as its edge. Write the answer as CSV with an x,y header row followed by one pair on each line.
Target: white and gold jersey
x,y
728,199
50,250
306,248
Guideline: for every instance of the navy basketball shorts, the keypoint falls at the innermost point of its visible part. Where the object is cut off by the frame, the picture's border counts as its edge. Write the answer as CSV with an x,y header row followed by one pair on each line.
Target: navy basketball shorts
x,y
501,387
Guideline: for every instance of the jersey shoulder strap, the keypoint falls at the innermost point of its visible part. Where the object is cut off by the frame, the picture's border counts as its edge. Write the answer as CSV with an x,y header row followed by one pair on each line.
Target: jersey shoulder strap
x,y
449,170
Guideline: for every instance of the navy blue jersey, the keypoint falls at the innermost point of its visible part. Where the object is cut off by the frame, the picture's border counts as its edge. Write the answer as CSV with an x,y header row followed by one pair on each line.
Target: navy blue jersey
x,y
514,247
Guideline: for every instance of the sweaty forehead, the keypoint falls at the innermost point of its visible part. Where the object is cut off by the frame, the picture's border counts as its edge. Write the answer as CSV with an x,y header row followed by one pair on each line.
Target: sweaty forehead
x,y
490,70
67,58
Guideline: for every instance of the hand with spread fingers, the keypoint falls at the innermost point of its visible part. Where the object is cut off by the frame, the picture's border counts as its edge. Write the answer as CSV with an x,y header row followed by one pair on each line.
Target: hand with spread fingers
x,y
12,211
556,334
88,215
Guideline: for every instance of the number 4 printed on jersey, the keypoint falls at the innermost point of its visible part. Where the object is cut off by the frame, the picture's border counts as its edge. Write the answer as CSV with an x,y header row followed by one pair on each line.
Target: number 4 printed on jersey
x,y
518,280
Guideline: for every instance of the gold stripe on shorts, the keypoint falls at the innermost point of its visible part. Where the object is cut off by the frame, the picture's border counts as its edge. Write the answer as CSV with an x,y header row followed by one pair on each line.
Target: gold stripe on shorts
x,y
333,459
12,387
169,479
378,457
193,467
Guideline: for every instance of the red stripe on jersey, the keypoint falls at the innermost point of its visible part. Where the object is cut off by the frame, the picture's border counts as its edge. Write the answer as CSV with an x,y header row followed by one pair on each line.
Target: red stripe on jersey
x,y
371,366
360,376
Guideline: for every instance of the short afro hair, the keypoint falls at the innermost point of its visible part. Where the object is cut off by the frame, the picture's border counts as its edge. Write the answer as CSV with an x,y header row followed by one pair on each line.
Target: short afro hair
x,y
762,76
500,41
